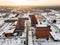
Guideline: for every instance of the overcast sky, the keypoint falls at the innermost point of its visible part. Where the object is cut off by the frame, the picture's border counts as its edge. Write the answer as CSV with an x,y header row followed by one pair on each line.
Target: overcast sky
x,y
31,2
